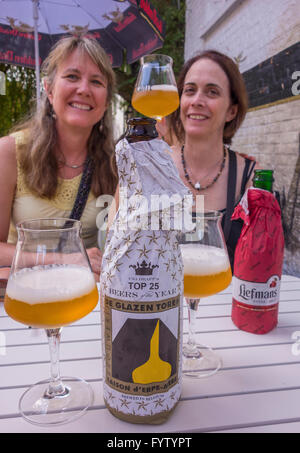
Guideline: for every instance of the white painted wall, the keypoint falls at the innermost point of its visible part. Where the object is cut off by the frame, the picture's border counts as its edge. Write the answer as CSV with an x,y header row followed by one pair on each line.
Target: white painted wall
x,y
256,28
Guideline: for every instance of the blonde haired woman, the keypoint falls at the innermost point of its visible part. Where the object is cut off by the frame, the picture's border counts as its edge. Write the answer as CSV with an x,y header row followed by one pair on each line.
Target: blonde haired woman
x,y
44,160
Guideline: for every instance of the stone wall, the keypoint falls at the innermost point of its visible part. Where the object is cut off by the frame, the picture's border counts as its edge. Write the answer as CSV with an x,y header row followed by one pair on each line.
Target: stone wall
x,y
249,30
272,136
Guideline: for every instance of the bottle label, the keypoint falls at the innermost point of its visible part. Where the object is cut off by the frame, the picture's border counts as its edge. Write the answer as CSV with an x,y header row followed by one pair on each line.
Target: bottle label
x,y
142,344
257,294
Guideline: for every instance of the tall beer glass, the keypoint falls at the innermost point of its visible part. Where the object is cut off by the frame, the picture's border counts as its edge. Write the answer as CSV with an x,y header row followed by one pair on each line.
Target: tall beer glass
x,y
51,285
155,93
206,271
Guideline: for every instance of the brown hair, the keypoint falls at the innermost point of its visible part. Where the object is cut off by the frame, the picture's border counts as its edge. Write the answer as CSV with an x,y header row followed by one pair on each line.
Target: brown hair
x,y
238,93
37,158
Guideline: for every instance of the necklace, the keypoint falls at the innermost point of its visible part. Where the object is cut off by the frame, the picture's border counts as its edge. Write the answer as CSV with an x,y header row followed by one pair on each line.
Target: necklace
x,y
64,164
197,185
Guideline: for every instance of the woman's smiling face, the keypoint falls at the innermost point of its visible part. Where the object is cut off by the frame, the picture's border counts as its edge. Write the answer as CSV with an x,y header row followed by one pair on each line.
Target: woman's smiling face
x,y
79,92
205,104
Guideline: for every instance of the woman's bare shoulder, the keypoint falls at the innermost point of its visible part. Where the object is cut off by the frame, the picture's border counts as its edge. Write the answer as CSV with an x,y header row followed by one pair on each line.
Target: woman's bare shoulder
x,y
8,145
241,159
8,152
242,156
175,153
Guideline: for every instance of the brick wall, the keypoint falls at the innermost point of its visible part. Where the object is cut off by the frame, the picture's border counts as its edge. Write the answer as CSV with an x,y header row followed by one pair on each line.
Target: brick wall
x,y
272,136
257,29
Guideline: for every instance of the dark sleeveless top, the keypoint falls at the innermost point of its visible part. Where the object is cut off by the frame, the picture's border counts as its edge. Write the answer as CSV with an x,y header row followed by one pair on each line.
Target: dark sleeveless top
x,y
232,228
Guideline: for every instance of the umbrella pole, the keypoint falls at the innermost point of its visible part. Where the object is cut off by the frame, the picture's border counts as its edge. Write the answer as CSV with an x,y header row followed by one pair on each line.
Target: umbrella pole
x,y
36,50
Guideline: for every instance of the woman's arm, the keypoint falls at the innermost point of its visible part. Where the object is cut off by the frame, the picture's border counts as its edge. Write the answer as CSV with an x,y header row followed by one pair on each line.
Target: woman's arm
x,y
8,180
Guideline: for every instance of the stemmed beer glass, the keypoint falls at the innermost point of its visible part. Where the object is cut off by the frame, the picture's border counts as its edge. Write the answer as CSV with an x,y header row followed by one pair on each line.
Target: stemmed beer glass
x,y
206,271
155,93
51,285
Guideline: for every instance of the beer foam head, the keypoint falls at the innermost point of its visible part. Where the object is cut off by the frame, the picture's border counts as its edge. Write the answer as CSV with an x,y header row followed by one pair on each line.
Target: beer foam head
x,y
199,259
44,284
163,88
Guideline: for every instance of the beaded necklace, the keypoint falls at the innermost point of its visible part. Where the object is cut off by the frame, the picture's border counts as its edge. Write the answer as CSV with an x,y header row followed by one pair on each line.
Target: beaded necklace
x,y
197,185
64,164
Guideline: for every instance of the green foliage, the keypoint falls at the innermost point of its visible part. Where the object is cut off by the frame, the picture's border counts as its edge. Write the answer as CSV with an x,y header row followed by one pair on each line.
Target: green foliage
x,y
19,94
173,14
20,82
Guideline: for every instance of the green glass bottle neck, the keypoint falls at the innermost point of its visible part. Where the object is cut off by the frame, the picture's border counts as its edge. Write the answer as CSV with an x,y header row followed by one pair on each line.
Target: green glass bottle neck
x,y
263,179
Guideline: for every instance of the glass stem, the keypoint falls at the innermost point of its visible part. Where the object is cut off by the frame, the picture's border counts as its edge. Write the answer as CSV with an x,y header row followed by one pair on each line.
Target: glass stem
x,y
56,388
192,313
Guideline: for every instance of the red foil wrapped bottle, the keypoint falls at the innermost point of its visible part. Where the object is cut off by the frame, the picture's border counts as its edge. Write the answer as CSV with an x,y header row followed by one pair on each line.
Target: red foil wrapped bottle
x,y
258,262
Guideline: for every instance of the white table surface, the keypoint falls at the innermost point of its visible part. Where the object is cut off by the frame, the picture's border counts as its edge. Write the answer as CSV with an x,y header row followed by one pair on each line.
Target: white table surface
x,y
257,390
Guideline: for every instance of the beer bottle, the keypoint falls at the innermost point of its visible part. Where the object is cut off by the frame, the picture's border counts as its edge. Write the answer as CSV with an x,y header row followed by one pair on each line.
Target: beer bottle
x,y
141,129
141,285
258,257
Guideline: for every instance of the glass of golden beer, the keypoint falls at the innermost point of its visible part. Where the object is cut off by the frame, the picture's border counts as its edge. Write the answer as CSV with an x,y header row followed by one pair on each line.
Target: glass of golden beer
x,y
155,93
207,271
51,285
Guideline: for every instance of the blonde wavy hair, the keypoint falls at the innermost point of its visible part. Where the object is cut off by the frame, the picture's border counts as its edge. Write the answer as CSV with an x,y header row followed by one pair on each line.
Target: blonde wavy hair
x,y
37,158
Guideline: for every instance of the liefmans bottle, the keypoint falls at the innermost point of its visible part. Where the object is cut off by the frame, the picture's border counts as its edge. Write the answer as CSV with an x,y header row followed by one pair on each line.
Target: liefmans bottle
x,y
141,286
258,258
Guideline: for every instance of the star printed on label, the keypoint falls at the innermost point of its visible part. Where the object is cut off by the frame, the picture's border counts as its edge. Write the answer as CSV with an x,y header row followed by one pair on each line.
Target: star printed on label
x,y
109,276
138,237
122,175
128,241
174,260
125,158
159,402
111,396
161,252
168,264
143,252
127,253
130,181
125,403
117,265
133,166
153,238
131,209
142,405
138,192
167,237
104,286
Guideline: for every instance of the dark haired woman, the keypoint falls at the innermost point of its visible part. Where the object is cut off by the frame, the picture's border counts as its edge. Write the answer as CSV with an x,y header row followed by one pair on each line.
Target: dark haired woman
x,y
213,104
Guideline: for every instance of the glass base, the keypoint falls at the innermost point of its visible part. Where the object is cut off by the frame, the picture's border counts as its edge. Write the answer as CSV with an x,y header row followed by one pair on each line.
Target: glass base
x,y
200,361
40,408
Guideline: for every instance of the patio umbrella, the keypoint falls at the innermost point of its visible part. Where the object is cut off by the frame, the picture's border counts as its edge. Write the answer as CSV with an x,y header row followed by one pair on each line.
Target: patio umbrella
x,y
125,28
